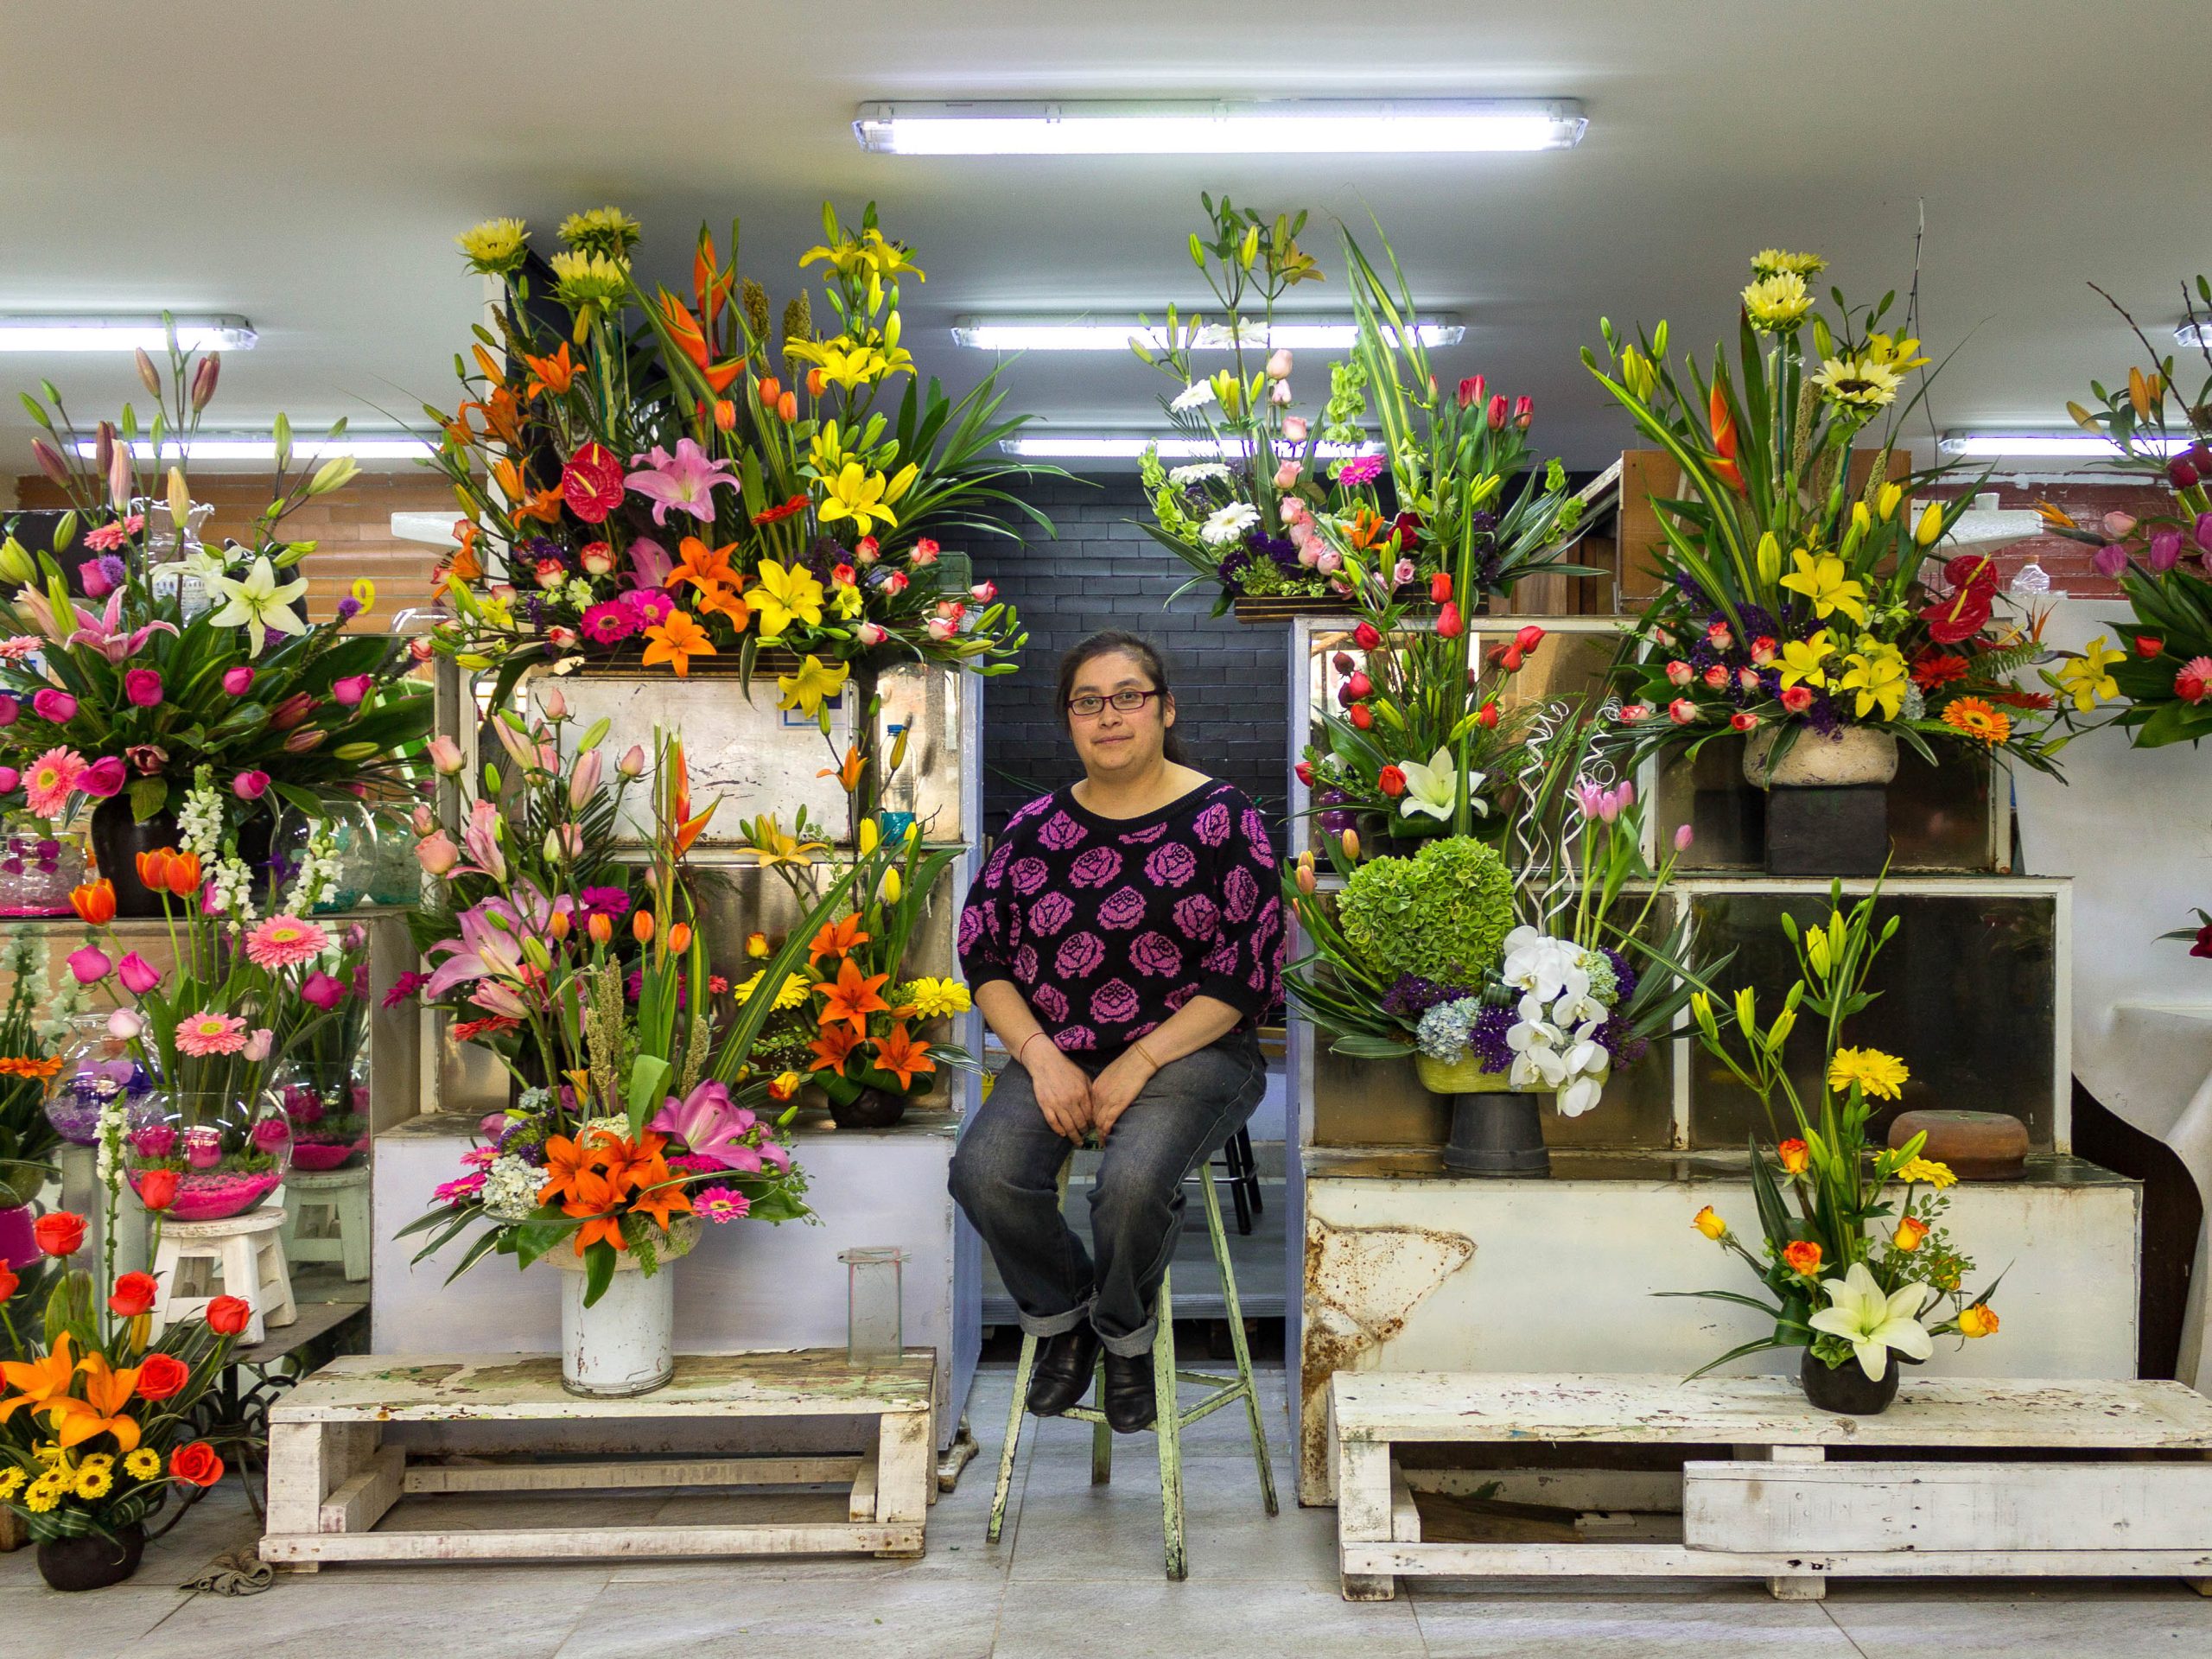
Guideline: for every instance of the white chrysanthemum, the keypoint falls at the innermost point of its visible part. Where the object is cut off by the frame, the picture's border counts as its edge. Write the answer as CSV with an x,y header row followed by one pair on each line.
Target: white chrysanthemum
x,y
1228,525
1197,395
1197,472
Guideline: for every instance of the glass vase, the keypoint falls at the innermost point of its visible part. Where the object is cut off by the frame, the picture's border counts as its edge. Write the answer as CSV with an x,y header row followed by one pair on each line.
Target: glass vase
x,y
328,1114
37,869
95,1068
205,1157
398,878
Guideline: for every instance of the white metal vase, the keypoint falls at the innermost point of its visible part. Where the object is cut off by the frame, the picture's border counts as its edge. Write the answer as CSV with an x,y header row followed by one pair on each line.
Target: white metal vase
x,y
625,1343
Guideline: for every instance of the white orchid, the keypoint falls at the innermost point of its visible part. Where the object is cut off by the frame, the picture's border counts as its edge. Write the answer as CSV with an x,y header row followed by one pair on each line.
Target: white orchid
x,y
1536,963
1229,524
1585,1092
257,603
1872,1323
1433,789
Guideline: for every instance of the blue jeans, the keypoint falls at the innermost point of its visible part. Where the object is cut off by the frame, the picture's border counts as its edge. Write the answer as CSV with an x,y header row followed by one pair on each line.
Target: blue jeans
x,y
1005,1170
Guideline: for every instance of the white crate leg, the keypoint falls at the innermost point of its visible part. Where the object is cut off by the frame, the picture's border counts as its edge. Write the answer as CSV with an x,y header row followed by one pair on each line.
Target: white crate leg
x,y
1363,1504
306,1463
904,1473
1797,1586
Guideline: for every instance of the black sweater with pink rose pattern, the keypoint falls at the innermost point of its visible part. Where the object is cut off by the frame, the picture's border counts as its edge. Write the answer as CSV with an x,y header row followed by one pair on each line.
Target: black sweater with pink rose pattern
x,y
1107,926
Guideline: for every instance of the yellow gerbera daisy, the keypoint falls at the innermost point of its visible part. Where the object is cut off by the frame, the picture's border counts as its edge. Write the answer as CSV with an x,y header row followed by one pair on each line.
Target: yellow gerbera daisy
x,y
47,1490
1876,1073
94,1483
11,1481
1927,1171
1773,262
794,991
144,1463
1862,383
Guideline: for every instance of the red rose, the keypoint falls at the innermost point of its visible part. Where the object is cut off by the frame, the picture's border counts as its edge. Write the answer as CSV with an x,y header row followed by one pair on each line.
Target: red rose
x,y
133,1295
2148,645
2202,948
592,483
162,1375
1391,782
1366,636
227,1315
1440,587
1361,716
156,1188
1798,698
1486,716
196,1463
8,1282
60,1233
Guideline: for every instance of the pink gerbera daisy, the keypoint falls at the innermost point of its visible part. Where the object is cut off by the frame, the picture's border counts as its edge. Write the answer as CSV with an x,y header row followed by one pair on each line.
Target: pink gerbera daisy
x,y
285,942
609,624
209,1033
720,1203
18,646
51,781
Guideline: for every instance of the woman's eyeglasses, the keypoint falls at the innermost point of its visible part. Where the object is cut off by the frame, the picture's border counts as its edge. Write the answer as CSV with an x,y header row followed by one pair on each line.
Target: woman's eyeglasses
x,y
1090,706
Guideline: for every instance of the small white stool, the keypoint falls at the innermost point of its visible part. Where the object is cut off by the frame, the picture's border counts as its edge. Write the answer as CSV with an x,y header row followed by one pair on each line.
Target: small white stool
x,y
327,1219
246,1252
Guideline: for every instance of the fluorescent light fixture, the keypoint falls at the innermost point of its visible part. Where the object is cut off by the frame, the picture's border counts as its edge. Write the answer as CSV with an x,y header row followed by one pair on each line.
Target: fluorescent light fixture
x,y
1222,127
123,334
1131,446
260,446
2194,333
1100,334
2049,446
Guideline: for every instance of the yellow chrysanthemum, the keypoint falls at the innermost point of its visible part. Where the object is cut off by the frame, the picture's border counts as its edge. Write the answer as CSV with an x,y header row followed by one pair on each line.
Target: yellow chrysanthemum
x,y
604,231
1876,1073
144,1463
1777,304
933,999
1927,1171
1773,262
11,1482
47,1490
794,992
581,279
94,1483
495,247
1862,383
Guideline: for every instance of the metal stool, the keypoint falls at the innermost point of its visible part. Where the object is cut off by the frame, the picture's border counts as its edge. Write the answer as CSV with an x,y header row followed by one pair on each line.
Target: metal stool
x,y
1170,1418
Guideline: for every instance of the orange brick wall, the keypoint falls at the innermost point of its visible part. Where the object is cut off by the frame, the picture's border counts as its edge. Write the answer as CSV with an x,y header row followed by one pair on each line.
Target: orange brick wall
x,y
352,530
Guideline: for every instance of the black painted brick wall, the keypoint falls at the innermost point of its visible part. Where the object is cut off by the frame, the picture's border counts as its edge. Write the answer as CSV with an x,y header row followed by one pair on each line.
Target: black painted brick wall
x,y
1103,571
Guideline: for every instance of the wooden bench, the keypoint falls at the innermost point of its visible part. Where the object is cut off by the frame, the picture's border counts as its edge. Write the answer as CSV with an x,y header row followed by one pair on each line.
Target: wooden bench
x,y
331,1478
2121,1486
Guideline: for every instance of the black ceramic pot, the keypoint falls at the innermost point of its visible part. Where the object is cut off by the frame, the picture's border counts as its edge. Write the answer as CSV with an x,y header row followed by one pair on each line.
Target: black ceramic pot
x,y
117,839
1498,1135
91,1563
871,1109
1845,1389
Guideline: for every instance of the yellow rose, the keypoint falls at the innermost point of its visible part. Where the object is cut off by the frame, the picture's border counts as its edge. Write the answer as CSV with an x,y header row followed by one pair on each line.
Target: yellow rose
x,y
1978,1321
1708,1222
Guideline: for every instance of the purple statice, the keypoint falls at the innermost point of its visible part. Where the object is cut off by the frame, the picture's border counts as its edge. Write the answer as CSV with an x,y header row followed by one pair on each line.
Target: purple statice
x,y
1625,1050
1759,620
1486,1038
1693,595
1278,550
1823,715
1624,975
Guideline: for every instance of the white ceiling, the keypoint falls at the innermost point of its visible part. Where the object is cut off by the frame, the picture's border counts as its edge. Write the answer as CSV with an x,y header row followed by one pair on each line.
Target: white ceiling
x,y
307,165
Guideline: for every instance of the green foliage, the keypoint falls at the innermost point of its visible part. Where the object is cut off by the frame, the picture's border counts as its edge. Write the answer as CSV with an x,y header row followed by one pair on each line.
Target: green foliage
x,y
1442,914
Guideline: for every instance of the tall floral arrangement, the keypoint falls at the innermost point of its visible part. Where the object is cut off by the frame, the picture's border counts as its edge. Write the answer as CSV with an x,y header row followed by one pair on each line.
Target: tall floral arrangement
x,y
1794,603
1855,1250
132,657
668,478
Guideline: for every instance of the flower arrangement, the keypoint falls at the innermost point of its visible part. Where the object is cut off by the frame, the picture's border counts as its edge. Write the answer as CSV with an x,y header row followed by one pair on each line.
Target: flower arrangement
x,y
133,659
657,480
36,1022
1792,603
1855,1250
323,1084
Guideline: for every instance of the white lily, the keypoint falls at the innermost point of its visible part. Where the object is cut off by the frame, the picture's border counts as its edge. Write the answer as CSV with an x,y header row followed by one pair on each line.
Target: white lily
x,y
257,603
1433,789
1872,1323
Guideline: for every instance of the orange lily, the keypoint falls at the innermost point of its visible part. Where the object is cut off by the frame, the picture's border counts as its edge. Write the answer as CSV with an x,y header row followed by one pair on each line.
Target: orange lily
x,y
40,1382
1370,529
704,567
1724,441
542,504
461,565
555,373
676,639
595,1200
852,997
836,937
900,1054
724,601
566,1164
502,413
848,774
688,829
507,473
100,1412
833,1048
657,1197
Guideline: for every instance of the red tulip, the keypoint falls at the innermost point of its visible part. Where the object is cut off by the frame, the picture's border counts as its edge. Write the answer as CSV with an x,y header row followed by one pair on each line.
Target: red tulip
x,y
1363,717
2148,644
1449,623
1439,589
1366,636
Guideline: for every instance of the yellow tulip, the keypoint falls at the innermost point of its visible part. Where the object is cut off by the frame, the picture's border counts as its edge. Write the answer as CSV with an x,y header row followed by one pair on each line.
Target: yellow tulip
x,y
1885,502
891,887
869,836
1930,525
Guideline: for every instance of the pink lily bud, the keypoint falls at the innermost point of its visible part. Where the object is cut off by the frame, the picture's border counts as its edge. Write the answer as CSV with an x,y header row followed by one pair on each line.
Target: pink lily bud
x,y
50,462
1683,837
203,380
446,757
118,477
292,711
149,375
583,782
554,703
302,741
633,761
104,446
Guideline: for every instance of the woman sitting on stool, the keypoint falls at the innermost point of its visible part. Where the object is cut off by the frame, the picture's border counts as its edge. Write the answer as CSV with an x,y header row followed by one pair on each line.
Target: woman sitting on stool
x,y
1123,940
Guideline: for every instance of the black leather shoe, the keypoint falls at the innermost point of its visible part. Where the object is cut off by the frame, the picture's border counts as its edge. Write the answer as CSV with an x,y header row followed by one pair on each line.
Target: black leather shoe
x,y
1061,1375
1130,1403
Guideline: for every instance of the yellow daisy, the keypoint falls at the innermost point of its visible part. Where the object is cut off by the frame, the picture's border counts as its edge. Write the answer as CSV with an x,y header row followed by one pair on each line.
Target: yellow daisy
x,y
1876,1073
1927,1171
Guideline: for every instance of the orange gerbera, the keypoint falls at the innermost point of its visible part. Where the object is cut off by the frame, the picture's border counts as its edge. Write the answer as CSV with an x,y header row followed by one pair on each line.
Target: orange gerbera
x,y
1976,719
676,639
902,1055
833,1048
555,373
837,938
851,997
25,1065
100,1412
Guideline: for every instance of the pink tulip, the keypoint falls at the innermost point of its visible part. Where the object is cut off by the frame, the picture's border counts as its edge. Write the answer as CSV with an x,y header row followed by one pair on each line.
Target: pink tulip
x,y
2119,526
136,973
633,761
2202,531
1683,835
2110,559
238,681
250,786
90,964
2166,551
553,704
446,757
350,690
436,853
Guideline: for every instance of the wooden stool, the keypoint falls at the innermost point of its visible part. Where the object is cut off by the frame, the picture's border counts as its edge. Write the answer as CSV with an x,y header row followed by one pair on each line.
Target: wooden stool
x,y
246,1251
340,1232
1170,1418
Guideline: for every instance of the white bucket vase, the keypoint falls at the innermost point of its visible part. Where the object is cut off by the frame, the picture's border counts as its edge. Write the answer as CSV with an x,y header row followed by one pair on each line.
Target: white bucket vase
x,y
625,1343
1856,755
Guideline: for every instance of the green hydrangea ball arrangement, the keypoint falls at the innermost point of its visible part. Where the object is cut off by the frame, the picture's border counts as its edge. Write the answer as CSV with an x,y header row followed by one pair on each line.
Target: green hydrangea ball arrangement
x,y
1441,915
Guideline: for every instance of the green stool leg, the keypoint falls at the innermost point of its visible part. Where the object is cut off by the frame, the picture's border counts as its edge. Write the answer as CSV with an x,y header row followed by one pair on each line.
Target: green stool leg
x,y
1101,1438
1241,1348
1167,1423
1012,1436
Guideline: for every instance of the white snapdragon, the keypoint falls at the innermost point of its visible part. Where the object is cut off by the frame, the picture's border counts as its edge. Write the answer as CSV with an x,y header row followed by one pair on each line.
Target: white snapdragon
x,y
318,873
200,820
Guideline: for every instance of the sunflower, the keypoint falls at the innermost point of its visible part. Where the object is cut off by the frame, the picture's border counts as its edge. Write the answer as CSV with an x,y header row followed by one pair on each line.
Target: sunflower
x,y
1975,718
1863,383
1875,1072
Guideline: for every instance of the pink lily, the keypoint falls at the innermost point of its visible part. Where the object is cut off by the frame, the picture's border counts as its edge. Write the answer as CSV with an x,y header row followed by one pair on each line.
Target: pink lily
x,y
684,481
482,839
649,565
105,633
711,1125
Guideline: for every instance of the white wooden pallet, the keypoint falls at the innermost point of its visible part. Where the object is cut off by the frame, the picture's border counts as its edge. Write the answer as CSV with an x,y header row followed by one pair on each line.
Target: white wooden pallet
x,y
331,1478
2133,1498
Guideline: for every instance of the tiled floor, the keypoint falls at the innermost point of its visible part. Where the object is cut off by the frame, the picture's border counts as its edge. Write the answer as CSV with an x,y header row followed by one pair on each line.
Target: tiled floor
x,y
1078,1573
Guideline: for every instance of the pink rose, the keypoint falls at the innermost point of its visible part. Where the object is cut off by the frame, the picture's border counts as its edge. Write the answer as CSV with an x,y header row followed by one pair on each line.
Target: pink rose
x,y
1124,907
1095,867
1172,865
238,681
56,706
142,687
250,786
323,991
104,778
350,690
1156,954
137,975
90,964
1079,956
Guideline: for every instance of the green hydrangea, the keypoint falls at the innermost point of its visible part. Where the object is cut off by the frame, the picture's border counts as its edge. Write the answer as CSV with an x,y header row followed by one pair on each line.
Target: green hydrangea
x,y
1442,914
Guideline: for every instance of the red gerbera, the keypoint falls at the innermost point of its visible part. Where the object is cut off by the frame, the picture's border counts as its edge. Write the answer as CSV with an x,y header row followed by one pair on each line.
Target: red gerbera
x,y
592,483
1933,668
468,1030
796,504
2018,699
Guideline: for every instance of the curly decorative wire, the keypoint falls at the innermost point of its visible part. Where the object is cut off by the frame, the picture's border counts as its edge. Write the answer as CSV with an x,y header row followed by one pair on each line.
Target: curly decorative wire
x,y
1554,849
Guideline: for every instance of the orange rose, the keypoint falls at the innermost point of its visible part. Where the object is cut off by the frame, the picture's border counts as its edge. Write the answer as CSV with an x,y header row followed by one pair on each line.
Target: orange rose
x,y
1977,1320
1912,1230
1707,1221
1797,1156
1804,1256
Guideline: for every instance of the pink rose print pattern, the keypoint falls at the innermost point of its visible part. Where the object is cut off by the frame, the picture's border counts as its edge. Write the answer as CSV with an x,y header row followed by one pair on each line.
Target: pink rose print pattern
x,y
1240,894
1061,832
1255,831
995,871
1049,1003
1029,873
1025,965
1212,826
1144,1030
1221,959
1079,956
1114,1003
1179,997
971,927
1171,865
1144,837
1197,916
1156,954
1097,867
1075,1039
1124,907
1051,913
1034,808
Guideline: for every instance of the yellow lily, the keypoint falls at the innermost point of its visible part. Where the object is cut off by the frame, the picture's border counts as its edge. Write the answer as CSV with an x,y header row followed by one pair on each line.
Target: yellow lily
x,y
857,494
815,680
2084,678
1804,660
787,594
765,840
1877,673
1820,578
827,452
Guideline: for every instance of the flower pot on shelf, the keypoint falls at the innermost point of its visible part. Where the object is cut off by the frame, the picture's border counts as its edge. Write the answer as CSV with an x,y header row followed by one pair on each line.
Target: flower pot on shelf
x,y
871,1109
37,870
328,1114
1846,1390
96,1066
1496,1129
89,1561
210,1156
1827,810
624,1344
117,839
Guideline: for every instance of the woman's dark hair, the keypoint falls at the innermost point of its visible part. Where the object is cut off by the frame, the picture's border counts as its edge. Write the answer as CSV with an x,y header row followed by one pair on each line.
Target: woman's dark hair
x,y
1113,642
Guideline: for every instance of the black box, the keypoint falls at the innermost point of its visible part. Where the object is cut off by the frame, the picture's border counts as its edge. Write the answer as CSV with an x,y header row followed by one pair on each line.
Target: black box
x,y
1823,830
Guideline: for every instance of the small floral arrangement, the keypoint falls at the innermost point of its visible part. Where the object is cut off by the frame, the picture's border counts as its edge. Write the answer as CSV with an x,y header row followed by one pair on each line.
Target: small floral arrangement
x,y
654,479
1795,604
133,657
1855,1250
35,1022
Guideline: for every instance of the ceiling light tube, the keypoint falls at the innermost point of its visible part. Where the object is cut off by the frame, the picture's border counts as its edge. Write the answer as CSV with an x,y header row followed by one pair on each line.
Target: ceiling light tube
x,y
123,334
1222,127
1017,333
2050,446
2194,333
252,446
1131,446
